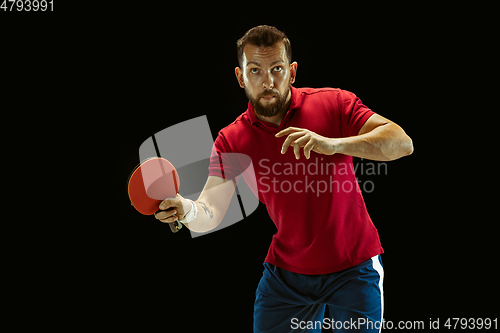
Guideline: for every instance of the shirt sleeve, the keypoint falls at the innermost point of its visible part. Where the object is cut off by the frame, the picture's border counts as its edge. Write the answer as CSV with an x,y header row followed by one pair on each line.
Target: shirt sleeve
x,y
353,113
222,161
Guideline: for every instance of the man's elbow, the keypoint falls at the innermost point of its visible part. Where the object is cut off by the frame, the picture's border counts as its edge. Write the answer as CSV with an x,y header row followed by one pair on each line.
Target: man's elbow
x,y
406,148
401,144
400,148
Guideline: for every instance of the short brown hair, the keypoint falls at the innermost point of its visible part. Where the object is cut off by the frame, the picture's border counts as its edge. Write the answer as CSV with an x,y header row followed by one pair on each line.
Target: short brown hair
x,y
263,35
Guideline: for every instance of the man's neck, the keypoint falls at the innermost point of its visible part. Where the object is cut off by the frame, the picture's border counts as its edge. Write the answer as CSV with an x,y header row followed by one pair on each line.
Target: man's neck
x,y
279,117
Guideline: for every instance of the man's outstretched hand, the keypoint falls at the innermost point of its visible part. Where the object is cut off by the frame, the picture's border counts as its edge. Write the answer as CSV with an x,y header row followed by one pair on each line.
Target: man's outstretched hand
x,y
310,141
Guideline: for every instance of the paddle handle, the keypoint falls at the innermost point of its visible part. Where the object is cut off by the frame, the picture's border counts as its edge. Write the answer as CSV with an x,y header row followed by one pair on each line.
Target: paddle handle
x,y
174,226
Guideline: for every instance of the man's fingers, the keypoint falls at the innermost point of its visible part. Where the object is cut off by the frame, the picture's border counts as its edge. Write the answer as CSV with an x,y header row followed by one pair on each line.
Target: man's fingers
x,y
301,142
167,203
165,214
288,131
289,140
307,149
296,151
170,219
168,216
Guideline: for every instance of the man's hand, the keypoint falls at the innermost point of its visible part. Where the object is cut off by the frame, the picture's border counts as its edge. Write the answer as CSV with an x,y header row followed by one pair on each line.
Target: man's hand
x,y
173,209
300,137
379,139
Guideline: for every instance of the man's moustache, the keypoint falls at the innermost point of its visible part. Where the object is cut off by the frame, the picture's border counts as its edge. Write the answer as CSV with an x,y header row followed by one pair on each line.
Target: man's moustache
x,y
269,93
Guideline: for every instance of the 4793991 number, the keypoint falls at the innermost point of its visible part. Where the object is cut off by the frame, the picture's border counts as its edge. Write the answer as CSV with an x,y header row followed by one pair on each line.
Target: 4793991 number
x,y
471,323
27,5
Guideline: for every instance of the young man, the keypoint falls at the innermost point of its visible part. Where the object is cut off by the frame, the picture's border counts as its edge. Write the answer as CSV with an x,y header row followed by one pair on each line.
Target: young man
x,y
323,267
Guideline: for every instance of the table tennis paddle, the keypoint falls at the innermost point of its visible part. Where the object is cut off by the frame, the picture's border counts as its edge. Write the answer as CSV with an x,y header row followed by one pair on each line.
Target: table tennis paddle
x,y
151,182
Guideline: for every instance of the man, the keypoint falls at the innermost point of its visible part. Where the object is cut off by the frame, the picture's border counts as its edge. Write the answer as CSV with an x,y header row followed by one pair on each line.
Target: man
x,y
323,267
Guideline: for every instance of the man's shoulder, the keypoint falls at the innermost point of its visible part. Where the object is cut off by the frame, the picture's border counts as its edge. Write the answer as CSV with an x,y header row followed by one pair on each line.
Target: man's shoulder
x,y
321,91
331,96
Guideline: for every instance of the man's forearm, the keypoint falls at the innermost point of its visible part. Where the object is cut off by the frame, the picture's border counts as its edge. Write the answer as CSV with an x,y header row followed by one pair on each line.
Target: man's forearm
x,y
205,220
212,204
384,143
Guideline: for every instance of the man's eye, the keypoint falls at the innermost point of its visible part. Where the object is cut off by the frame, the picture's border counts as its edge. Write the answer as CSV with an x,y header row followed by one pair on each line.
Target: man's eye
x,y
277,69
254,70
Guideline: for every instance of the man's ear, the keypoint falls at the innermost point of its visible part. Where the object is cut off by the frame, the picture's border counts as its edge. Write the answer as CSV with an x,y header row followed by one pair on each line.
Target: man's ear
x,y
239,76
293,71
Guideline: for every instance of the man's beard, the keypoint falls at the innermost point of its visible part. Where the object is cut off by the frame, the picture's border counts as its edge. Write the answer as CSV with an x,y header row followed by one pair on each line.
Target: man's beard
x,y
272,109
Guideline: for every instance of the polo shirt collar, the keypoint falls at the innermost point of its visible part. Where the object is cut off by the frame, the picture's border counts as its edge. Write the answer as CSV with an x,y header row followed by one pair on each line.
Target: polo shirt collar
x,y
296,103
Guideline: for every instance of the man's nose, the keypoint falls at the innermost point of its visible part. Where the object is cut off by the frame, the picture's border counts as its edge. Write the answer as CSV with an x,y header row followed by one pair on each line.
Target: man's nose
x,y
268,82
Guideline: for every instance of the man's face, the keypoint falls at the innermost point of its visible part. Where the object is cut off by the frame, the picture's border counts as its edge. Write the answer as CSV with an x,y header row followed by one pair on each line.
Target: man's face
x,y
266,77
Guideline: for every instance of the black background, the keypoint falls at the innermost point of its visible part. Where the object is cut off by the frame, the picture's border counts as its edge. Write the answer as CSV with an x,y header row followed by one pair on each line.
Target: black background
x,y
128,71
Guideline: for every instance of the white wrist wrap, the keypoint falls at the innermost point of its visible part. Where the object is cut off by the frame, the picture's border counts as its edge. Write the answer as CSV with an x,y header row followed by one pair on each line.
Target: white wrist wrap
x,y
191,215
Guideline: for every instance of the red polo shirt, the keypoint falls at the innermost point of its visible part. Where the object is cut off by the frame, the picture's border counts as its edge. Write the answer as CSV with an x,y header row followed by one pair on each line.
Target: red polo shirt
x,y
316,205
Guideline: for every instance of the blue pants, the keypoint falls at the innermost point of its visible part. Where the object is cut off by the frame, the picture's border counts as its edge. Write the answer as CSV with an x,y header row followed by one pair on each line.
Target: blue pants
x,y
292,302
